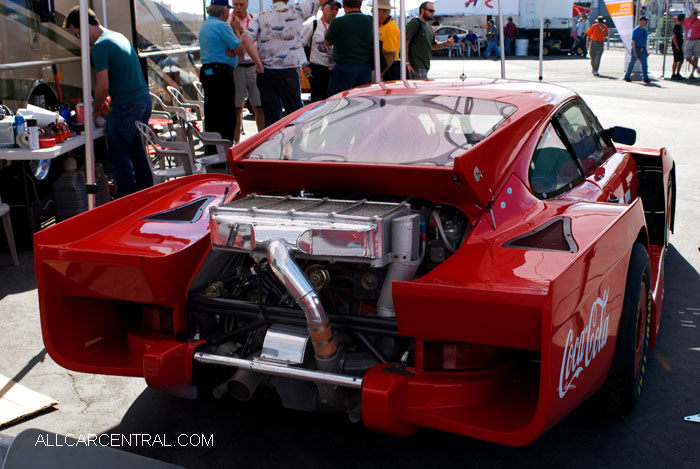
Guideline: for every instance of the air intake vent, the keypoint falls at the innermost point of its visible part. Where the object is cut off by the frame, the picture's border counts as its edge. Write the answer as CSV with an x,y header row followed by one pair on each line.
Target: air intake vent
x,y
555,235
188,213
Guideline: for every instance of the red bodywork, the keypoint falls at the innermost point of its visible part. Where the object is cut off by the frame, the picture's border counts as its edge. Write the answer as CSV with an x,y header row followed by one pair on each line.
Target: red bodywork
x,y
486,293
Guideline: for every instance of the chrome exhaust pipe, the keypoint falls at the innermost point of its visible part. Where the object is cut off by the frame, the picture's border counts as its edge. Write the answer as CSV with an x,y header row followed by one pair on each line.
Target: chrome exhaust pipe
x,y
243,384
296,283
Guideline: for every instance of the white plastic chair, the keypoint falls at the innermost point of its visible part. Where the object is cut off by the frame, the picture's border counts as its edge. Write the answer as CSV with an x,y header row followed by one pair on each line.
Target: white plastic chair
x,y
200,89
167,153
180,100
195,138
5,215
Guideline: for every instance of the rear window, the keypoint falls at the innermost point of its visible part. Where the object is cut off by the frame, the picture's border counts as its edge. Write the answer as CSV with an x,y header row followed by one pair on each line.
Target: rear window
x,y
398,129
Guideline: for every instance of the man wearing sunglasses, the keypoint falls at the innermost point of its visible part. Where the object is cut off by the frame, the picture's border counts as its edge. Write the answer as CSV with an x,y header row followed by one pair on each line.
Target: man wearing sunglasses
x,y
420,42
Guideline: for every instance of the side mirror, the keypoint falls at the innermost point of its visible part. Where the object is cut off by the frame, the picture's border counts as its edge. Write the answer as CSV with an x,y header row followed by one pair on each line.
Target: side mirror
x,y
623,135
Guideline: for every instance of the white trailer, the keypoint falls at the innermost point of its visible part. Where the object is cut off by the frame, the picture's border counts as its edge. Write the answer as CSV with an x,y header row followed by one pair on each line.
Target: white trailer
x,y
558,23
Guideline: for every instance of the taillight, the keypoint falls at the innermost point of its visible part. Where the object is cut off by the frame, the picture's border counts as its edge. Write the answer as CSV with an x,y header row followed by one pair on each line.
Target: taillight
x,y
460,356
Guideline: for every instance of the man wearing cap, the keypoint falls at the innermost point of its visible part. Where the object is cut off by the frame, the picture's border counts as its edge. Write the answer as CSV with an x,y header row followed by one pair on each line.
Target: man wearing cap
x,y
244,74
219,47
351,37
320,54
596,35
639,50
390,36
492,35
277,31
118,72
692,43
420,41
509,35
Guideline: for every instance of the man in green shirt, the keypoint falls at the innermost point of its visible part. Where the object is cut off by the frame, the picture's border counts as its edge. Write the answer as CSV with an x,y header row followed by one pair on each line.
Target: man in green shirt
x,y
351,36
118,73
420,41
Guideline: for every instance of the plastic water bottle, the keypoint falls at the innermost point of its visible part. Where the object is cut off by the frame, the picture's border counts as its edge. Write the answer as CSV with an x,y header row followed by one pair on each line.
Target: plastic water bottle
x,y
20,131
69,193
102,182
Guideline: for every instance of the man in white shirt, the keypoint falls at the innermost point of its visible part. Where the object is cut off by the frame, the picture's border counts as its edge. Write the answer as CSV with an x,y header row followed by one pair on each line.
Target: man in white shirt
x,y
320,54
277,32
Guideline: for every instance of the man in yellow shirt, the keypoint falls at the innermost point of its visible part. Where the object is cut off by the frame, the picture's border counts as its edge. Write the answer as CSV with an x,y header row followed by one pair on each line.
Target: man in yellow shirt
x,y
391,41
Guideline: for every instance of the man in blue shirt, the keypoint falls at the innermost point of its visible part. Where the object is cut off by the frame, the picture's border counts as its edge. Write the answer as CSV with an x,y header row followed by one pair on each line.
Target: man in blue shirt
x,y
118,72
219,48
639,50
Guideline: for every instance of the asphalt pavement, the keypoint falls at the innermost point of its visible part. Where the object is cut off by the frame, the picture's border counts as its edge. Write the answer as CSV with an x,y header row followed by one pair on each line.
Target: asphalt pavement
x,y
261,434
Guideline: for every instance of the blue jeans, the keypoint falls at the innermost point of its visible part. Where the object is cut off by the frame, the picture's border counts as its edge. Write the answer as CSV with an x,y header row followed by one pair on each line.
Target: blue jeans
x,y
346,76
642,54
492,46
508,42
126,154
279,88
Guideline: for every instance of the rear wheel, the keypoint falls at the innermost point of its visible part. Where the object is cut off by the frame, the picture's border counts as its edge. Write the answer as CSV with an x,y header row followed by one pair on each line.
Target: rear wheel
x,y
623,386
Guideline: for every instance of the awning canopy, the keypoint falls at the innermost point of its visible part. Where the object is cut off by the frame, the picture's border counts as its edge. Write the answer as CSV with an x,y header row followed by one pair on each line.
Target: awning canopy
x,y
579,10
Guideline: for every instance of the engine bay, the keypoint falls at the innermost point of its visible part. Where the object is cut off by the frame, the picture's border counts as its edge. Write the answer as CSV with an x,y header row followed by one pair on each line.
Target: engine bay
x,y
296,291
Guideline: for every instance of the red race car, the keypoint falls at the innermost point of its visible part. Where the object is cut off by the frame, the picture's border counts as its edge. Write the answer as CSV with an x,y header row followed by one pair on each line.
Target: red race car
x,y
477,257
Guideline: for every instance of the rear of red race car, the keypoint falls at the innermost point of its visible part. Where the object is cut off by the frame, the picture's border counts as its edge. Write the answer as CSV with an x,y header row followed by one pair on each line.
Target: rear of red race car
x,y
413,295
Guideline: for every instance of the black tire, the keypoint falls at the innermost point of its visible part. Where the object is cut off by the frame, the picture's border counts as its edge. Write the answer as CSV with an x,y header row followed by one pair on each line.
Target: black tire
x,y
623,386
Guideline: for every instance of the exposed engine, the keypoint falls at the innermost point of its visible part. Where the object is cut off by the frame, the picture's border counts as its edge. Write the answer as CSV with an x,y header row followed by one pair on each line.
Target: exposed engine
x,y
297,291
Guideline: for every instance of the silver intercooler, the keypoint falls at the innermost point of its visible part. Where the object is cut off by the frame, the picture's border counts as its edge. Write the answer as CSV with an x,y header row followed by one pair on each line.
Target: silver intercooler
x,y
325,229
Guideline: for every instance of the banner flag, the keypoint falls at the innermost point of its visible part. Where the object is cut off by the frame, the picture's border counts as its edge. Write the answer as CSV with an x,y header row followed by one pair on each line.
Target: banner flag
x,y
622,14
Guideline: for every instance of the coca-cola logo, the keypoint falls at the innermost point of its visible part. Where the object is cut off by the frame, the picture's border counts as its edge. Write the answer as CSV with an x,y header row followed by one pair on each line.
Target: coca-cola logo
x,y
579,352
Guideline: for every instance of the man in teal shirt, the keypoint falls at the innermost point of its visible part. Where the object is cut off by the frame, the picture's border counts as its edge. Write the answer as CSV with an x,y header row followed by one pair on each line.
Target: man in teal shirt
x,y
119,74
219,48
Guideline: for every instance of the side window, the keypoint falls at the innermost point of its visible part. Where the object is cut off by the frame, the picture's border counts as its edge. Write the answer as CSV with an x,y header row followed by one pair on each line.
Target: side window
x,y
583,133
553,169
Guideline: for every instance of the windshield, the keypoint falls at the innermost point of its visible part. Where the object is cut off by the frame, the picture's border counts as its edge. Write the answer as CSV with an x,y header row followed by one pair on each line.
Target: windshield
x,y
398,129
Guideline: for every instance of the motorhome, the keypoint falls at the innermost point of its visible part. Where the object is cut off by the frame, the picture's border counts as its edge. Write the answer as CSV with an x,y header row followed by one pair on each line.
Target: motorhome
x,y
40,65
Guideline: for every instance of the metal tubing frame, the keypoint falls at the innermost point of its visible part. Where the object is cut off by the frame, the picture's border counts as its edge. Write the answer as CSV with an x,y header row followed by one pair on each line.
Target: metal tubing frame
x,y
273,369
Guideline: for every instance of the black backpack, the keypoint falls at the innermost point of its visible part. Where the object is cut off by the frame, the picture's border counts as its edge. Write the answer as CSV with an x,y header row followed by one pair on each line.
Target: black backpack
x,y
307,47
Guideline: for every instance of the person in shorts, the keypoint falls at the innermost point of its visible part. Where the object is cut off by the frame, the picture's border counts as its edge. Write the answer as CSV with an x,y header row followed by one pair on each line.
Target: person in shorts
x,y
677,47
245,75
692,41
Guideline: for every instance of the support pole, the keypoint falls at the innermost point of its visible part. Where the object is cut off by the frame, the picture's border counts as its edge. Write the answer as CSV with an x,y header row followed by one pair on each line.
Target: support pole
x,y
87,100
402,38
541,34
666,16
502,39
375,39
